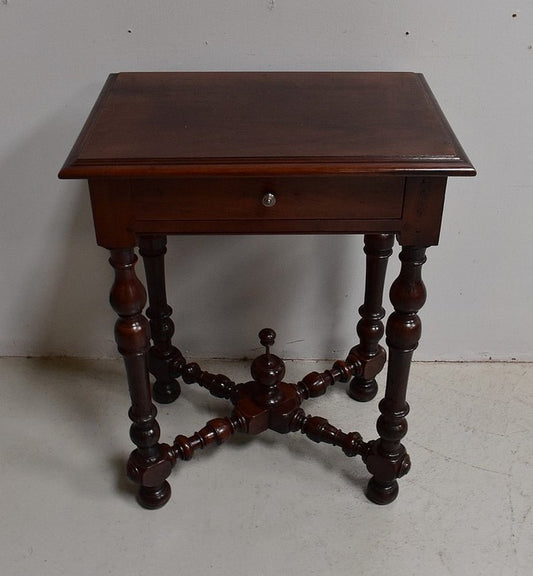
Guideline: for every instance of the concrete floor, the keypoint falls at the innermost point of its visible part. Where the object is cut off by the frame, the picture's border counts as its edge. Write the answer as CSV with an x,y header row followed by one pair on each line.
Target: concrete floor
x,y
270,505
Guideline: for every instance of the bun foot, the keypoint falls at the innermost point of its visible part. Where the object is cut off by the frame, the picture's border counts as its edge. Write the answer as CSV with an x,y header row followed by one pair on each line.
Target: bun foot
x,y
382,492
363,390
166,392
154,498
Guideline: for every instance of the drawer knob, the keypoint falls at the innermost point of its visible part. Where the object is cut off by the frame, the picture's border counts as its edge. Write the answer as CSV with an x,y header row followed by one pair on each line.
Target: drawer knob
x,y
269,199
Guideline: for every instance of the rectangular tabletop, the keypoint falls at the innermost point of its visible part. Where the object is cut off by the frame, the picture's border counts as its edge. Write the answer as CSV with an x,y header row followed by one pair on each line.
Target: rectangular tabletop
x,y
166,124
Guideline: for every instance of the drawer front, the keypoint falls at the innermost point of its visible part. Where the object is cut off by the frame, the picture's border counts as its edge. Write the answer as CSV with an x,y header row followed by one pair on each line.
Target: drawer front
x,y
295,199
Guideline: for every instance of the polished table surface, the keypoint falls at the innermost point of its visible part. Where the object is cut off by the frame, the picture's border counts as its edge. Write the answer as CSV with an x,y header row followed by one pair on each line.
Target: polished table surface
x,y
267,153
266,123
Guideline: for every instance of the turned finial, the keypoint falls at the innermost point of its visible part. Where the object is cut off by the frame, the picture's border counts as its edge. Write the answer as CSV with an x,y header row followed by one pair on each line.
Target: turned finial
x,y
267,336
268,369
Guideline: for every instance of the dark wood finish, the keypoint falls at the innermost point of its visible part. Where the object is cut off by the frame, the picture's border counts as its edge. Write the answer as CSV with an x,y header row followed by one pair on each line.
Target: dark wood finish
x,y
242,123
266,153
388,459
165,361
324,198
266,402
378,248
216,431
132,334
422,211
319,430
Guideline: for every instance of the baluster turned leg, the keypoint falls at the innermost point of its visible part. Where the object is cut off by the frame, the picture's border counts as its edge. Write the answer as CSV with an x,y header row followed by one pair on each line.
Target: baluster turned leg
x,y
388,459
165,361
378,248
146,465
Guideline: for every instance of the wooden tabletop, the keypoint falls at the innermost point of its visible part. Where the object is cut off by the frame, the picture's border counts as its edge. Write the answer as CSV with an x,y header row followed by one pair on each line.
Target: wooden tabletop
x,y
265,123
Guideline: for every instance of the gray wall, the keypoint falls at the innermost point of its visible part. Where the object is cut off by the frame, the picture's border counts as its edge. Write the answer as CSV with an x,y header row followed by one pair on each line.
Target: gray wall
x,y
54,280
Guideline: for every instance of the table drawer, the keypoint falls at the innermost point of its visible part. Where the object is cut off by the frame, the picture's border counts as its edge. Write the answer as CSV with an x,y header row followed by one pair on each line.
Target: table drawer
x,y
296,198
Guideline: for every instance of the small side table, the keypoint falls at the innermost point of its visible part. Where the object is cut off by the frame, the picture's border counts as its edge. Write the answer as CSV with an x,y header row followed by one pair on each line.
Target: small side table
x,y
266,153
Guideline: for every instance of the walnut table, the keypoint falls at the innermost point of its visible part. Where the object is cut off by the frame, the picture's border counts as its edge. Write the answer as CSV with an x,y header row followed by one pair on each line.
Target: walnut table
x,y
266,153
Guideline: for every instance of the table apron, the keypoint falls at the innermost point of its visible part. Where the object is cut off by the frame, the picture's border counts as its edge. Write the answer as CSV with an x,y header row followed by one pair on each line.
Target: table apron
x,y
124,208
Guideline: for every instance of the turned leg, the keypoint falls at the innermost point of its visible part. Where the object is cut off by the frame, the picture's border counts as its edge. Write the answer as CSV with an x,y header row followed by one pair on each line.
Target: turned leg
x,y
388,459
165,361
378,248
146,465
